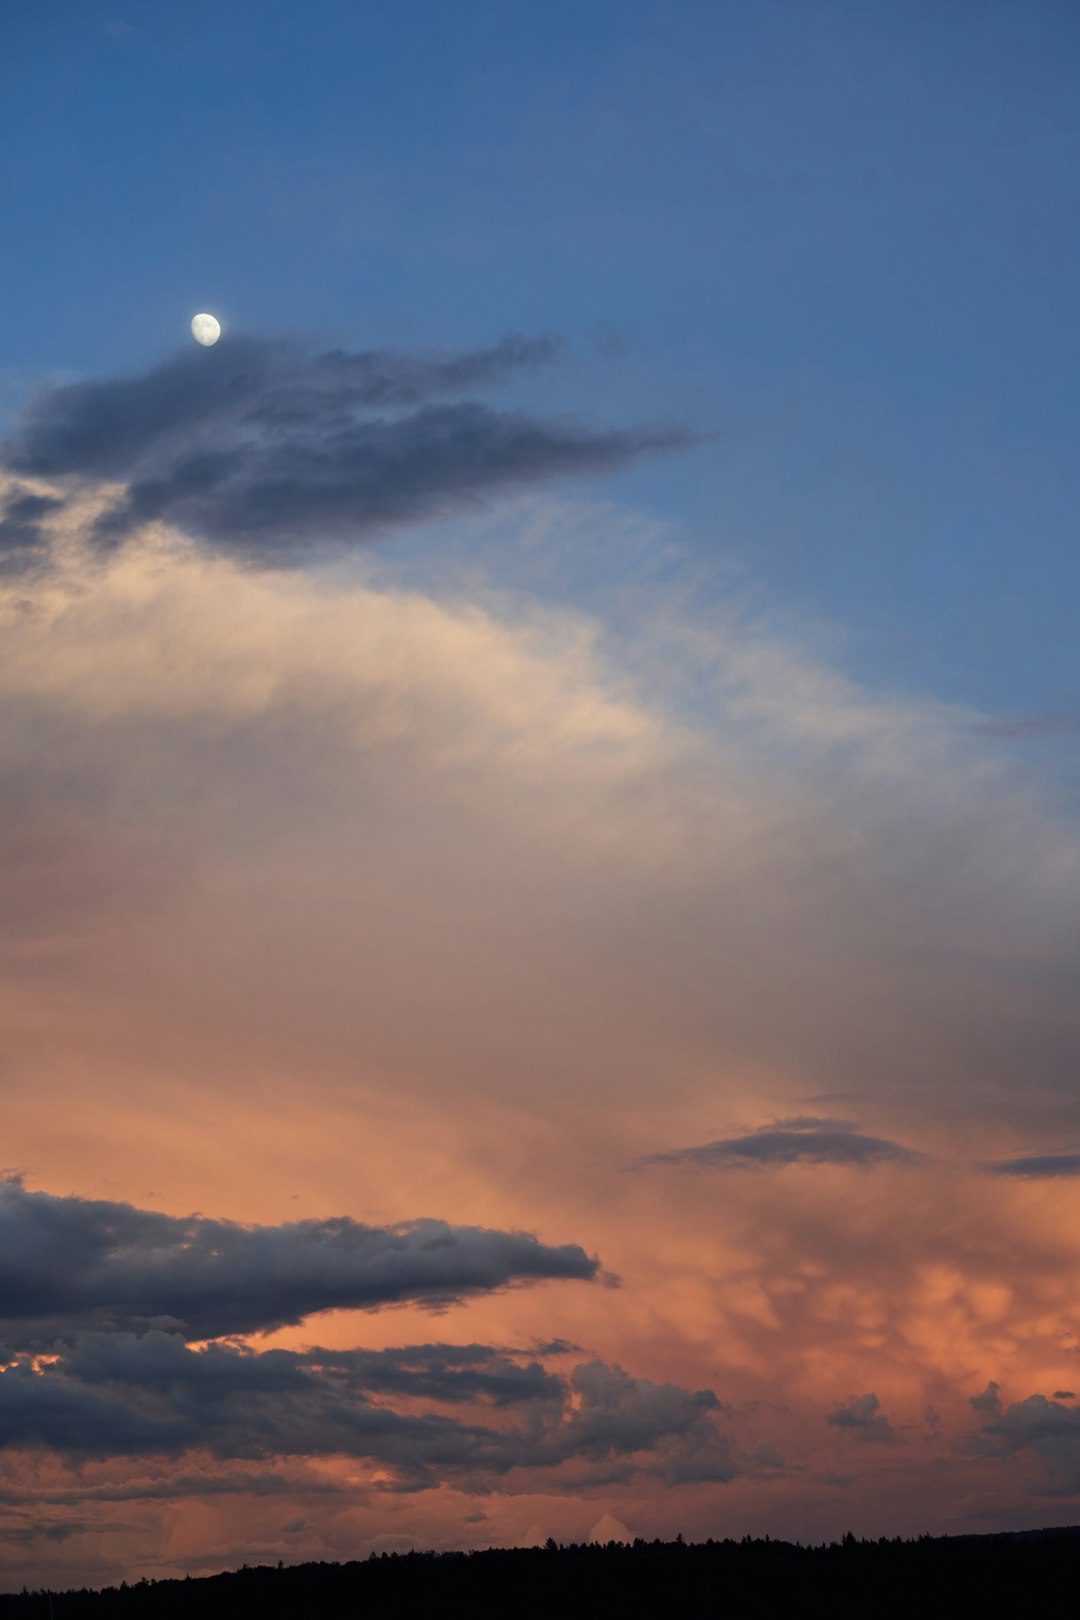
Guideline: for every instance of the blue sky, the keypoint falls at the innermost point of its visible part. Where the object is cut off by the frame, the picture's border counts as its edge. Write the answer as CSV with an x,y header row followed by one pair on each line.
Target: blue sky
x,y
843,238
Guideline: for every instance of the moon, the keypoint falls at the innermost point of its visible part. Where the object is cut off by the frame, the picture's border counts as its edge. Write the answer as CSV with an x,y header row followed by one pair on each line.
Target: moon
x,y
205,329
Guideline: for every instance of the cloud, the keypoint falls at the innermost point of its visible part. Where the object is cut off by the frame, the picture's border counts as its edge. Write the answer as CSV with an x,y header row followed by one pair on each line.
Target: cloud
x,y
168,1485
22,537
26,1535
1038,1166
863,1417
446,1372
608,1528
617,1415
265,450
989,1400
114,1392
122,1394
802,1140
102,428
405,842
1030,725
72,1263
1047,1430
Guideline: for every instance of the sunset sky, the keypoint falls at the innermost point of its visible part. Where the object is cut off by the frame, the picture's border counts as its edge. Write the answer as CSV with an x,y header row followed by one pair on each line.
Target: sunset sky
x,y
539,776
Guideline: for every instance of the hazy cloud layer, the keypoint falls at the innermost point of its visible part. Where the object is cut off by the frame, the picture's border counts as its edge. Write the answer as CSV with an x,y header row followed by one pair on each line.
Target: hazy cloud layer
x,y
804,1140
72,1263
263,449
120,1394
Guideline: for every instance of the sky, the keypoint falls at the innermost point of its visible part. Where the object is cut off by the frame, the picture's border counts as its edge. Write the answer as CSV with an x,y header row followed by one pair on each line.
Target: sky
x,y
540,837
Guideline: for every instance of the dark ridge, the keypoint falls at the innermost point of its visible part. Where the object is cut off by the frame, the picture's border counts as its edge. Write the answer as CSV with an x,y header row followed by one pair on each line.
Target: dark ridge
x,y
1029,1572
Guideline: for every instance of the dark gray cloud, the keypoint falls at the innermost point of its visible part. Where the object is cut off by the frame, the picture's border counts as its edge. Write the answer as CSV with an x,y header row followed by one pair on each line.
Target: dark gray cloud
x,y
102,428
1038,1166
26,1535
1043,1429
122,1394
101,1302
801,1140
616,1416
446,1372
989,1400
169,1485
259,498
21,534
263,449
864,1417
1029,725
70,1263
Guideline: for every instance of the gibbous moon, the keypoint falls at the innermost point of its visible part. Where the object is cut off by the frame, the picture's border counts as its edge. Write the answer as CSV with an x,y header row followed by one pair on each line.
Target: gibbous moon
x,y
205,330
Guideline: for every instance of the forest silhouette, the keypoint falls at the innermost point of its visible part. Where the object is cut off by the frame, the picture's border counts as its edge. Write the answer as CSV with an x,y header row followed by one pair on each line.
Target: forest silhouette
x,y
1034,1572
